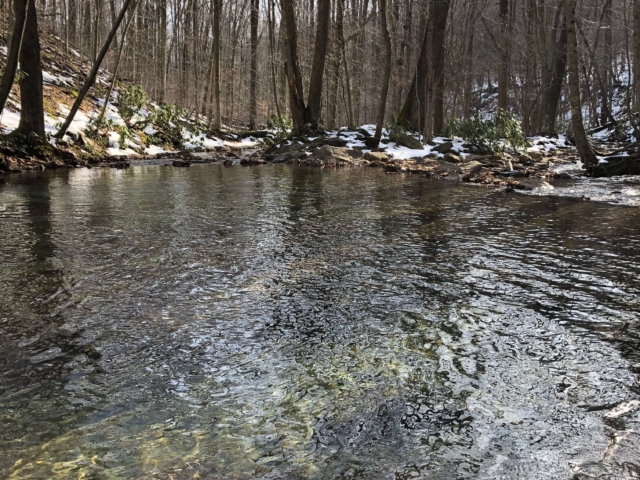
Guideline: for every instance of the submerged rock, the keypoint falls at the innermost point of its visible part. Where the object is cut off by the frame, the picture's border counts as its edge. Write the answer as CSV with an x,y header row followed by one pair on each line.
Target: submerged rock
x,y
531,183
181,163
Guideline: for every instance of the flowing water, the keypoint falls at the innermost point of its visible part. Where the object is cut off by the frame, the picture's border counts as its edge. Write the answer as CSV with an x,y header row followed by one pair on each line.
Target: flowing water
x,y
285,323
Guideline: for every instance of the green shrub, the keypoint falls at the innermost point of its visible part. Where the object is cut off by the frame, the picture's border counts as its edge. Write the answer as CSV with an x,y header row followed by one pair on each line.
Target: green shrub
x,y
394,128
125,136
489,136
168,119
283,122
131,100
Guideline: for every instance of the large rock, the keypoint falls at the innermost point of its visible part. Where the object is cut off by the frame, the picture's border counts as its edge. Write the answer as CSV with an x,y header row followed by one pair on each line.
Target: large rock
x,y
277,151
443,147
407,140
376,157
328,155
446,167
451,158
330,141
471,167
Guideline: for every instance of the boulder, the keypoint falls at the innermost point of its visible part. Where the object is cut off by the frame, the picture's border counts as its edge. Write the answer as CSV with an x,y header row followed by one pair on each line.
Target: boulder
x,y
471,167
451,158
355,153
446,167
376,157
330,141
228,162
406,140
329,156
536,156
443,147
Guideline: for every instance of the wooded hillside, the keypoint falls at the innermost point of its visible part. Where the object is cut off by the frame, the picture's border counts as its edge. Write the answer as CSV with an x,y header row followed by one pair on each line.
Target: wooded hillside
x,y
418,64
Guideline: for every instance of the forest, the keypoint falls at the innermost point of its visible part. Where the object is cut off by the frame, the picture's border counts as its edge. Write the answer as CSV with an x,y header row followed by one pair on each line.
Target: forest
x,y
431,67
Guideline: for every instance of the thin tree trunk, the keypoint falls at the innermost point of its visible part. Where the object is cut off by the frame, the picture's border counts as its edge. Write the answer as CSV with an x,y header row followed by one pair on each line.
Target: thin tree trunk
x,y
585,151
503,70
115,69
13,53
217,120
387,68
636,54
274,83
555,89
163,50
347,78
253,101
94,71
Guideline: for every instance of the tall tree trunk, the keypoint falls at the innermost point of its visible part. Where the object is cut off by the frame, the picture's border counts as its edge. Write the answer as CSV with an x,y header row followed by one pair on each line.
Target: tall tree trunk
x,y
19,8
334,73
117,65
387,68
440,16
608,57
94,71
12,24
274,82
503,70
585,151
294,75
162,60
114,16
555,89
636,54
347,77
255,5
217,13
412,114
73,19
31,98
319,57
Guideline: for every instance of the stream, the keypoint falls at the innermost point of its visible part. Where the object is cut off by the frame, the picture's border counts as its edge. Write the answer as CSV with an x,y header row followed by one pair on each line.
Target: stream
x,y
283,322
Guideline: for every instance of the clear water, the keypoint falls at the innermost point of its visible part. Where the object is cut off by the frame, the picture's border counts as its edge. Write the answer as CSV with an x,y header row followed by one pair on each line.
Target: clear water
x,y
284,323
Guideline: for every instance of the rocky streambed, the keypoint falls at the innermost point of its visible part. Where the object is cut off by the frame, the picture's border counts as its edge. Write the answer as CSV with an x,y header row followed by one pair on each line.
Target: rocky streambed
x,y
444,158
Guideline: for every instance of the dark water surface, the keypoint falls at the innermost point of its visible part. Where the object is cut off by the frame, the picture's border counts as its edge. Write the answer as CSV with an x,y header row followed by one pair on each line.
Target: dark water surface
x,y
286,323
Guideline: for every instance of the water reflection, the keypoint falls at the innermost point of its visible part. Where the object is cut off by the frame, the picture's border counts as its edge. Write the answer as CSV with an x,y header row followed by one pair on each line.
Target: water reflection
x,y
294,323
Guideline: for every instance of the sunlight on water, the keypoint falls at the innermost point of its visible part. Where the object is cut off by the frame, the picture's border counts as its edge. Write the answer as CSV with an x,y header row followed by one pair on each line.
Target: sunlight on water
x,y
278,322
